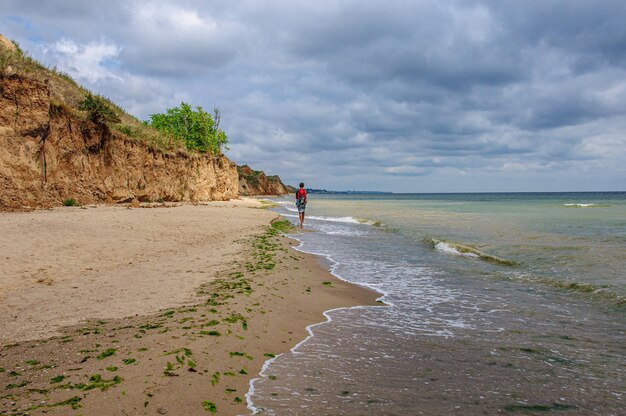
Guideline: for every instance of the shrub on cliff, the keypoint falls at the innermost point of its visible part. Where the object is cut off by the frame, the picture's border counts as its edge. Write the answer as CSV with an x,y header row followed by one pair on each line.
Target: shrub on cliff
x,y
98,110
195,128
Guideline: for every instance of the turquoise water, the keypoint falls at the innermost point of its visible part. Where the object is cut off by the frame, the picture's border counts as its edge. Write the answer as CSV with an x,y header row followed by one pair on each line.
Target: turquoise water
x,y
499,303
575,240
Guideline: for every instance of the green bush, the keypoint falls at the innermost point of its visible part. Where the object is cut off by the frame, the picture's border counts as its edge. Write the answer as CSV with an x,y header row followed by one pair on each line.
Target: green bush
x,y
98,110
70,202
127,130
198,130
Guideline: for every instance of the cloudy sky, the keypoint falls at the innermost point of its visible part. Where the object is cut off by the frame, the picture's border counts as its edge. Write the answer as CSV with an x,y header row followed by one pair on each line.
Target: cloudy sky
x,y
408,96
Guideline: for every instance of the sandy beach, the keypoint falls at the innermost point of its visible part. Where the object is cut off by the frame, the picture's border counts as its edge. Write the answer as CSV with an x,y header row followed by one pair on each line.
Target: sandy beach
x,y
113,310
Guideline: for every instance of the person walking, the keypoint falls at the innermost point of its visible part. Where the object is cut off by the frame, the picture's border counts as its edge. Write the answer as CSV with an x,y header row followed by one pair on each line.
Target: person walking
x,y
301,203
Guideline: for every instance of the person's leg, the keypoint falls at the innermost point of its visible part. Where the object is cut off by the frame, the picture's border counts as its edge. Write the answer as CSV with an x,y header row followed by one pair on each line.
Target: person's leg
x,y
301,219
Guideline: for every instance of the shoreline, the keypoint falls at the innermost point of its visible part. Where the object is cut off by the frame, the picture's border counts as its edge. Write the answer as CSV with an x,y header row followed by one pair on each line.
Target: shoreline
x,y
187,358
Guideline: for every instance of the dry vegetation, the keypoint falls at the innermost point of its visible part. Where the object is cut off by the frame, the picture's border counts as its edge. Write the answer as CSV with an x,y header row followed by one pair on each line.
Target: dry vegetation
x,y
66,96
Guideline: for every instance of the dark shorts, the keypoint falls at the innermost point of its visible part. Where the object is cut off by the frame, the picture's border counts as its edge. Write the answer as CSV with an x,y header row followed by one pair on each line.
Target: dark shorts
x,y
301,207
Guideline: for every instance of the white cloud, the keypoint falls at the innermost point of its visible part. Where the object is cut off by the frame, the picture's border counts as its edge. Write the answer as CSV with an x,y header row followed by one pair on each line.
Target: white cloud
x,y
366,91
86,62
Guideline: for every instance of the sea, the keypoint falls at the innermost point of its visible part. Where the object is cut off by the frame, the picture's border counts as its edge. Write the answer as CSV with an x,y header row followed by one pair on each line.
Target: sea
x,y
493,303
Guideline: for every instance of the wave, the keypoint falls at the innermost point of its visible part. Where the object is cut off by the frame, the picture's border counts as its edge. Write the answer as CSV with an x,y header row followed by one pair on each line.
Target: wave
x,y
466,250
345,220
585,205
598,292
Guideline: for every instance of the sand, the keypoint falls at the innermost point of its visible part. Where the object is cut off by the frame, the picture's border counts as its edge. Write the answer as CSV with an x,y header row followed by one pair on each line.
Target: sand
x,y
151,310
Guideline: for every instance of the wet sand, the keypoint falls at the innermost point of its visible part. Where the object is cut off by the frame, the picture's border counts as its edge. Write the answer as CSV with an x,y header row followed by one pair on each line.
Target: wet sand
x,y
116,311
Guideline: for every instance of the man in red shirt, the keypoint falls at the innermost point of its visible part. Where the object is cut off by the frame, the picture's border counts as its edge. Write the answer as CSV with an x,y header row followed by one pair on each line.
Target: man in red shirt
x,y
301,202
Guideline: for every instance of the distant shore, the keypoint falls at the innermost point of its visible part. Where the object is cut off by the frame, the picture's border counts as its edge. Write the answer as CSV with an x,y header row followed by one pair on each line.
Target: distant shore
x,y
114,310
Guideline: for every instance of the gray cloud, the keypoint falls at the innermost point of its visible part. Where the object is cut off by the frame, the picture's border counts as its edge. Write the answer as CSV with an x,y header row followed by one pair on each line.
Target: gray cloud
x,y
479,95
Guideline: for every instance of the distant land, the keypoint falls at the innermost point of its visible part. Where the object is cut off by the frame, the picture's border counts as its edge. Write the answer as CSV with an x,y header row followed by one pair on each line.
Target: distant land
x,y
325,191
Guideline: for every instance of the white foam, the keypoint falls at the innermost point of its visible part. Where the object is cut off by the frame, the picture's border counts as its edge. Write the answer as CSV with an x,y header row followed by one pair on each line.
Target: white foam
x,y
309,328
446,248
579,205
349,220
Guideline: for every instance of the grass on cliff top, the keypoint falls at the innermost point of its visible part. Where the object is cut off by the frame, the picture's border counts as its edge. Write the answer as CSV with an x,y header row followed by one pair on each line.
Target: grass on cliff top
x,y
66,95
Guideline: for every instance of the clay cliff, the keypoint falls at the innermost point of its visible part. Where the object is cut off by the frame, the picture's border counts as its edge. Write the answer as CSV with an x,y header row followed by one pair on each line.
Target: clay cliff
x,y
47,154
49,151
254,182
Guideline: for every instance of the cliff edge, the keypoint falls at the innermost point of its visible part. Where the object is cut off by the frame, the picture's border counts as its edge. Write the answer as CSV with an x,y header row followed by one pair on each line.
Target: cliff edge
x,y
255,182
49,150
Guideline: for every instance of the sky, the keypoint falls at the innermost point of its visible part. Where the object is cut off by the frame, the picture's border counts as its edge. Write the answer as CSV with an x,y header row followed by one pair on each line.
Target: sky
x,y
401,96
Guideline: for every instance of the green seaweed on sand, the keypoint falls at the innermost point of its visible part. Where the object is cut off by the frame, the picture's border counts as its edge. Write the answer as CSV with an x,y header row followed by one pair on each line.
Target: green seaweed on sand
x,y
57,379
237,317
240,354
209,406
17,385
40,391
32,362
97,382
215,378
211,333
150,326
106,353
281,226
88,331
73,402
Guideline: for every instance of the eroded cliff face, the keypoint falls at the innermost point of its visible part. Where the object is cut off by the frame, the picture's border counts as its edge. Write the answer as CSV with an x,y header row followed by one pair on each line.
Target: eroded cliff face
x,y
47,155
254,182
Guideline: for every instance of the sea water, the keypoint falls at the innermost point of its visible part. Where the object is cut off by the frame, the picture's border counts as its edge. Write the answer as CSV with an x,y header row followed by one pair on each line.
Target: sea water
x,y
495,304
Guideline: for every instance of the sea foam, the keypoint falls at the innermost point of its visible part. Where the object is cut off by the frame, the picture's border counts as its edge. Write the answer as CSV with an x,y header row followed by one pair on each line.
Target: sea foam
x,y
466,250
